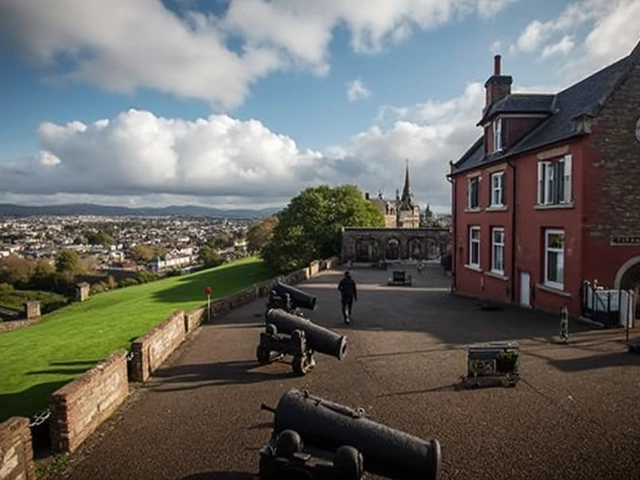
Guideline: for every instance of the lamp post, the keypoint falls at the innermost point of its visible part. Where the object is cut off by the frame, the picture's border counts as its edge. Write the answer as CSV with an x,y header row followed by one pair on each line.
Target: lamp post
x,y
208,291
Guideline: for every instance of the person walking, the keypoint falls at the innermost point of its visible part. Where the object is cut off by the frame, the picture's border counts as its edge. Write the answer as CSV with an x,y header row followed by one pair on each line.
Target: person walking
x,y
348,294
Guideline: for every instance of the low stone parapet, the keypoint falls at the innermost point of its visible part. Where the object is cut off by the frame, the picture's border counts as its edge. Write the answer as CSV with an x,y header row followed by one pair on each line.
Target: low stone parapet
x,y
16,451
81,406
153,348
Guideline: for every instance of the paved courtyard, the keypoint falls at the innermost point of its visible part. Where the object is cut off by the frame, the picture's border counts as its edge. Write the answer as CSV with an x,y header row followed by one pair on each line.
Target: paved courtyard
x,y
574,415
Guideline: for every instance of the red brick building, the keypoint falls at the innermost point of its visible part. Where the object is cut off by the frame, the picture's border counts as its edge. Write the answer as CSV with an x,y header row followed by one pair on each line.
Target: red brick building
x,y
549,196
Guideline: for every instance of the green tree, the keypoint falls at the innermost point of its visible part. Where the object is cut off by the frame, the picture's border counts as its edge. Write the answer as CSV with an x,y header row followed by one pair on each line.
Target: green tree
x,y
15,270
68,261
99,238
210,256
43,276
260,234
221,241
310,227
142,253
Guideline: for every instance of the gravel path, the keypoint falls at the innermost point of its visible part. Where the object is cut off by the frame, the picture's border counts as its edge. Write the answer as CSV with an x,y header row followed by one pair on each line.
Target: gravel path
x,y
574,415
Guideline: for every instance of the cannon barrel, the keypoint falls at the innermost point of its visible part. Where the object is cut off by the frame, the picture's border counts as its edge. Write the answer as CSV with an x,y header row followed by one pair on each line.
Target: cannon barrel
x,y
299,298
327,425
318,338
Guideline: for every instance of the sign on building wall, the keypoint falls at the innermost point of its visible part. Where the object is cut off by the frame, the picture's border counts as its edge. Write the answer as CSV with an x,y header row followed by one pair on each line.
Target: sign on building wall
x,y
626,240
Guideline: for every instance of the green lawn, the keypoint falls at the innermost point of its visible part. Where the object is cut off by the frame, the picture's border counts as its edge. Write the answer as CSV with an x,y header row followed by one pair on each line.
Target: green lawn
x,y
37,360
15,299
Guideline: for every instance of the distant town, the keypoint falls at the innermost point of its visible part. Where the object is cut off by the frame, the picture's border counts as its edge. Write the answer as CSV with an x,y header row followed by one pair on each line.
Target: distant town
x,y
158,243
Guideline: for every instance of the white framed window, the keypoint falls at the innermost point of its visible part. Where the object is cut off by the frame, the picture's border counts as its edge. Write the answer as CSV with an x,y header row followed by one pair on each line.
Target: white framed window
x,y
555,181
497,250
497,135
554,258
473,193
474,247
497,189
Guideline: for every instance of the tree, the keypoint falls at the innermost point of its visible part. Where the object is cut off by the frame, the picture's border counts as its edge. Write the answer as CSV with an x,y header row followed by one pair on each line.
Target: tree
x,y
310,227
210,256
260,234
15,270
221,241
142,253
68,261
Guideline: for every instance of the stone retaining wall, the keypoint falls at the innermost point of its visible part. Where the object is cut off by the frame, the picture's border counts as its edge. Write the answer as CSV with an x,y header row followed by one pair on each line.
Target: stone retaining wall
x,y
152,349
82,405
16,452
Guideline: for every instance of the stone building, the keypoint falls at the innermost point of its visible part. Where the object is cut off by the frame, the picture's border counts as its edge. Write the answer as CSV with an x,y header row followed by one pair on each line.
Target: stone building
x,y
403,212
370,245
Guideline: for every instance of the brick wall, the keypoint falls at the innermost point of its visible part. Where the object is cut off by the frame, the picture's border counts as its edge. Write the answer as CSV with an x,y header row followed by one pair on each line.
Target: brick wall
x,y
153,348
82,405
612,197
16,452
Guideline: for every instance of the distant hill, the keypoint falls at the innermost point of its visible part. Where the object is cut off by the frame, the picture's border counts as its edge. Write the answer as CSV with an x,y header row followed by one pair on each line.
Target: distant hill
x,y
7,209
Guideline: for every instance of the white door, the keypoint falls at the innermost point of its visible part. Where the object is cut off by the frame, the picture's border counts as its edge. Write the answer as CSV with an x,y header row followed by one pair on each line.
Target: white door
x,y
525,289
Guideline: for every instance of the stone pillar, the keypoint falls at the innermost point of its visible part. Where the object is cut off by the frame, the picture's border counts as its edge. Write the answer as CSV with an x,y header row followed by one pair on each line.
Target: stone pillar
x,y
32,309
82,291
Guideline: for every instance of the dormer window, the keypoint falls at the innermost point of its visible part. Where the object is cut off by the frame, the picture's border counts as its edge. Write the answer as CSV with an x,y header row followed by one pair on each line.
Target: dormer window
x,y
497,135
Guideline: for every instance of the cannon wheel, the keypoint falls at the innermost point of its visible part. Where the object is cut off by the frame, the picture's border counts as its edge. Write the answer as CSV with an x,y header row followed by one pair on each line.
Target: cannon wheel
x,y
301,364
264,355
348,463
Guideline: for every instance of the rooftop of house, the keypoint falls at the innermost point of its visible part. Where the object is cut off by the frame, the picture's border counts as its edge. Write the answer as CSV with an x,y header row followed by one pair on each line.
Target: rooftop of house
x,y
583,99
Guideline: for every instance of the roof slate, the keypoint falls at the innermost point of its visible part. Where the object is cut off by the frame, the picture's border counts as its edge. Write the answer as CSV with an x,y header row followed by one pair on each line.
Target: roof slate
x,y
582,98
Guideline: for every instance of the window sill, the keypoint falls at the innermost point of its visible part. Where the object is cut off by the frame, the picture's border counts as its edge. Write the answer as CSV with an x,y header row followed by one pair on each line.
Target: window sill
x,y
473,268
497,208
497,275
472,210
555,290
554,206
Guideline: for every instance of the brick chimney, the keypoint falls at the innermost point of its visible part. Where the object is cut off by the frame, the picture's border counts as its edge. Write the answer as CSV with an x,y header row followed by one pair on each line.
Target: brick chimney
x,y
497,86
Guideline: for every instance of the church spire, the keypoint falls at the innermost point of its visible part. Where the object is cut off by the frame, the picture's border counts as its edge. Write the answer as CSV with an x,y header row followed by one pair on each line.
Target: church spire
x,y
407,194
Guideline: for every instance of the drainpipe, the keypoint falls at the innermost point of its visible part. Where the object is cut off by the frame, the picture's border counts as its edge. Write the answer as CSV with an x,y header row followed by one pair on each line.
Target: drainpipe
x,y
453,229
512,292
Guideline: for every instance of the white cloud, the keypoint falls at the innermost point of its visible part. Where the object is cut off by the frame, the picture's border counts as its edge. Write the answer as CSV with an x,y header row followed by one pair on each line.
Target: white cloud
x,y
139,157
614,32
124,45
357,90
563,47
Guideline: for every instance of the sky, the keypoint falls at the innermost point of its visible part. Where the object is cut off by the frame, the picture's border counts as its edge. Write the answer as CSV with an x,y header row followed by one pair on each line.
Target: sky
x,y
244,103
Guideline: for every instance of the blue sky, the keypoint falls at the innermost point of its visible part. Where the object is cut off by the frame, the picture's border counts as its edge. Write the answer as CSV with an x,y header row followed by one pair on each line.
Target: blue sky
x,y
246,102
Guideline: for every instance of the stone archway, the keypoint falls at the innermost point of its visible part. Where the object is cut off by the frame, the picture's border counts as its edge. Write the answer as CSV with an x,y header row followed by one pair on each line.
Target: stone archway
x,y
631,281
364,250
628,278
415,249
392,249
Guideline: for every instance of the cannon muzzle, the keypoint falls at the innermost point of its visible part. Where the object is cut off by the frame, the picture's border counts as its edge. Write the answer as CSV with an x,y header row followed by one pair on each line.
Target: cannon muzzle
x,y
299,299
318,338
327,425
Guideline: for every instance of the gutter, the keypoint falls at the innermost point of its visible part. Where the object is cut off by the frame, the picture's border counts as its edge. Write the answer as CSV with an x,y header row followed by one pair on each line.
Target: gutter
x,y
512,292
453,228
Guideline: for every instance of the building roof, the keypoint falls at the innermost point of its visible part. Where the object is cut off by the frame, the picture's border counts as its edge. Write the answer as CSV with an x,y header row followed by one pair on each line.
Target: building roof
x,y
520,103
584,98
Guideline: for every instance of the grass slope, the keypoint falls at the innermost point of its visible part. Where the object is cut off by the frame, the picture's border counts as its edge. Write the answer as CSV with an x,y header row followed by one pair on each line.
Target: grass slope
x,y
37,360
14,299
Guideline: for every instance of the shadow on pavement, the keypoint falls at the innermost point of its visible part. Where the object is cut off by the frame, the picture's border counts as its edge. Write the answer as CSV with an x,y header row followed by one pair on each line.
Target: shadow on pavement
x,y
427,307
220,476
591,362
223,373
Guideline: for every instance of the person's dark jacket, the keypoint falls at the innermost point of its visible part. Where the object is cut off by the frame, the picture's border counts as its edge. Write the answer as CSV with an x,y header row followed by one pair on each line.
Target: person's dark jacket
x,y
347,288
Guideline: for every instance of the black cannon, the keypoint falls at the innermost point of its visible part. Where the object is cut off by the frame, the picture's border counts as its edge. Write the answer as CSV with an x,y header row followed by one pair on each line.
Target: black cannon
x,y
290,299
359,443
289,334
